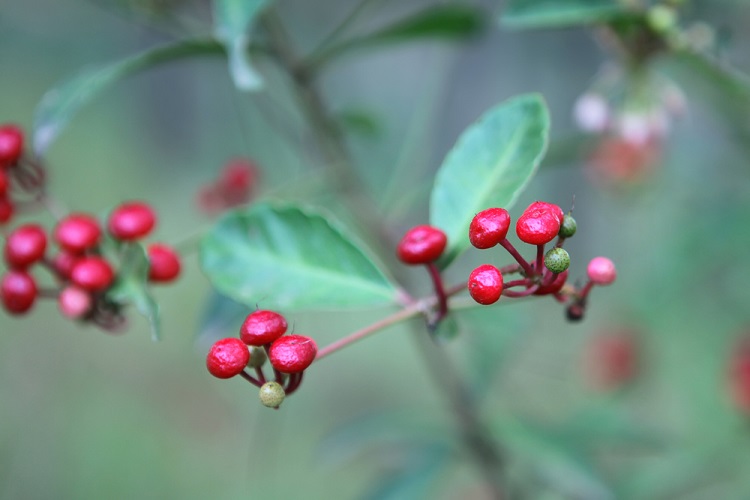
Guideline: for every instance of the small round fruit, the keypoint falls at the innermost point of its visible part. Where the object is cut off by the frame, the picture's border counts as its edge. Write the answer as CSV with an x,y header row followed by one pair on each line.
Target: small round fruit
x,y
421,245
74,302
575,312
64,262
601,271
489,227
77,233
537,226
271,394
227,358
568,227
485,284
262,327
18,291
131,221
164,263
292,353
4,184
11,144
551,207
25,246
257,357
6,210
92,273
557,260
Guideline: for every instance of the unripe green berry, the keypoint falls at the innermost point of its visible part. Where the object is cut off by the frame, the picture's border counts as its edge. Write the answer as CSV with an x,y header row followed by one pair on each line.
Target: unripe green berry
x,y
272,394
557,260
568,227
257,357
661,18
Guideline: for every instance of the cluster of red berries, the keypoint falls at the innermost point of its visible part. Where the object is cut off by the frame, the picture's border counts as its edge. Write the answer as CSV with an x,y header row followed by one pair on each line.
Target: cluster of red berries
x,y
82,273
18,172
262,337
547,274
235,186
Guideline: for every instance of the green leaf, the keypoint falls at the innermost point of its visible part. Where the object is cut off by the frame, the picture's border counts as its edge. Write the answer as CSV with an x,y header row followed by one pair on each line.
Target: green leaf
x,y
560,13
446,330
291,258
416,478
232,22
58,106
221,315
491,163
131,286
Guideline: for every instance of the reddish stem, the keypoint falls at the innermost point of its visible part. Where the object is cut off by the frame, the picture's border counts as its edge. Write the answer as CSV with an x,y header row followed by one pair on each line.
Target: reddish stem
x,y
294,382
585,291
525,293
539,259
250,378
437,283
260,374
522,282
507,245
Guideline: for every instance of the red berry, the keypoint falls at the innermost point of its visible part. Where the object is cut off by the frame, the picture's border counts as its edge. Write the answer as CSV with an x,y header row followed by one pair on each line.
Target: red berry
x,y
555,286
6,210
77,233
612,359
11,144
164,263
74,302
131,221
485,284
739,376
227,358
92,273
64,262
421,244
25,246
489,227
238,176
601,271
262,327
4,184
538,226
18,291
292,353
543,205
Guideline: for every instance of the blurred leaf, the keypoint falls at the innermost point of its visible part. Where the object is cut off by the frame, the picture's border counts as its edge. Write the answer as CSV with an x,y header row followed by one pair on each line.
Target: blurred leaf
x,y
559,13
447,330
606,423
414,480
361,122
58,106
724,88
131,286
490,165
232,22
221,314
292,258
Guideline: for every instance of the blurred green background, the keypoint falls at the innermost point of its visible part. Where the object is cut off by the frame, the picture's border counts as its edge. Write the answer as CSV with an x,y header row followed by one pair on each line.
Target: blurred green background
x,y
84,414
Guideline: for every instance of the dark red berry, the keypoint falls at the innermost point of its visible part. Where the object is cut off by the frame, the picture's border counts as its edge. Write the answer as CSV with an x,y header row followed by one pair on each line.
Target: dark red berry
x,y
575,312
601,271
74,302
64,262
11,144
25,246
237,181
227,358
77,233
739,376
164,263
4,184
555,286
262,327
92,273
485,284
538,226
421,245
292,353
6,210
18,291
131,221
543,205
489,227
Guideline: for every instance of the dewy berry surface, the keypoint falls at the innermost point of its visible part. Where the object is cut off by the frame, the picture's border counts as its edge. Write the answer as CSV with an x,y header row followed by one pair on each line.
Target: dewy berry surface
x,y
164,263
78,232
25,246
421,245
18,291
227,358
489,227
538,226
485,284
131,221
262,327
543,205
292,353
601,271
11,144
92,273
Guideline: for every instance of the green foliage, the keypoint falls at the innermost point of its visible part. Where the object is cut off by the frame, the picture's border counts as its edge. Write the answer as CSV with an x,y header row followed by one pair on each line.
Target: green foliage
x,y
233,20
559,13
59,105
291,258
491,163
